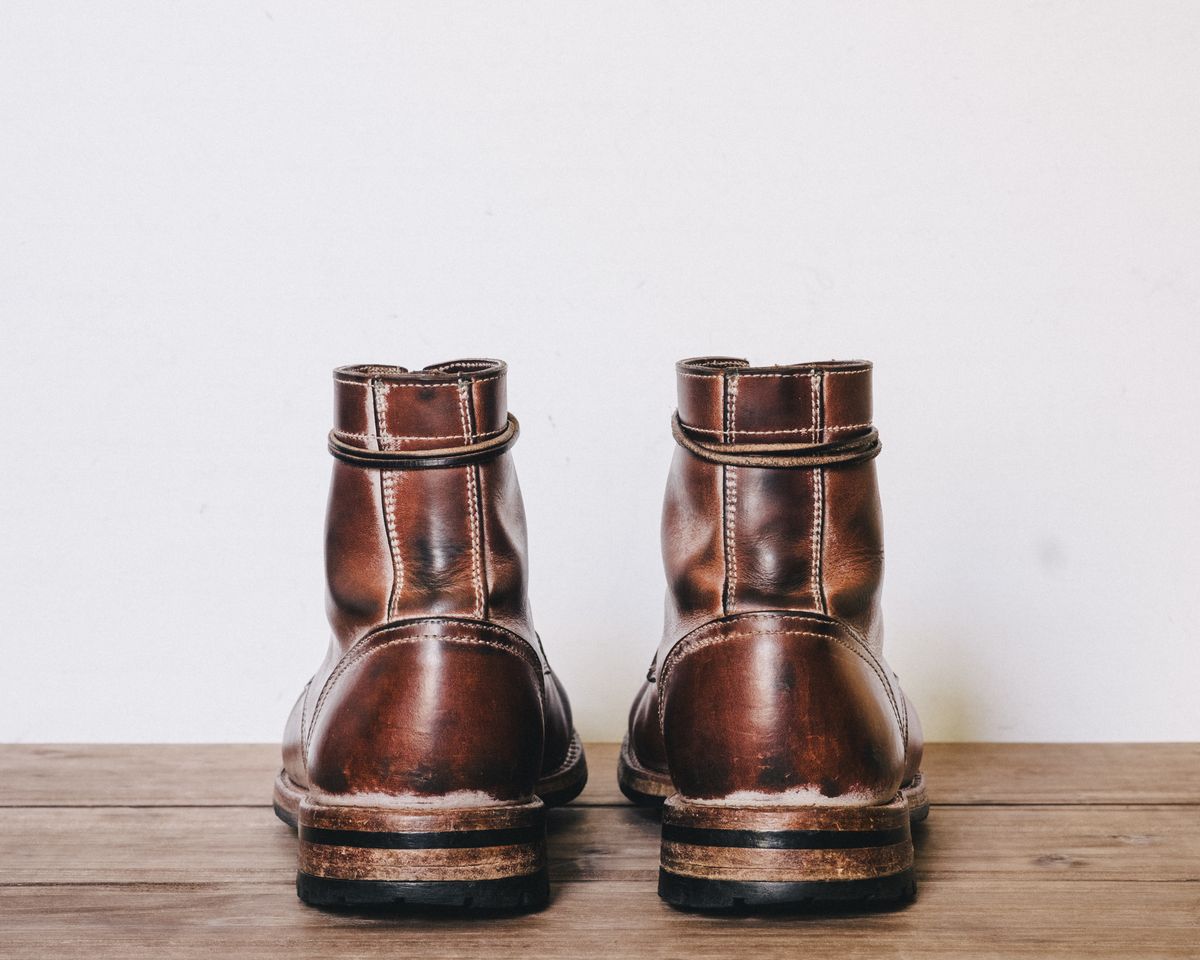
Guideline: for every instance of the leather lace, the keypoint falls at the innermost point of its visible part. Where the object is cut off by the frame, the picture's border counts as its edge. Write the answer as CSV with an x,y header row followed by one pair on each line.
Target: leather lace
x,y
474,452
791,455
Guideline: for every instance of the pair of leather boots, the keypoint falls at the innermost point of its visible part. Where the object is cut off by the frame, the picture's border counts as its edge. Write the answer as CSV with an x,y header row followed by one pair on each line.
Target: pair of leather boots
x,y
420,759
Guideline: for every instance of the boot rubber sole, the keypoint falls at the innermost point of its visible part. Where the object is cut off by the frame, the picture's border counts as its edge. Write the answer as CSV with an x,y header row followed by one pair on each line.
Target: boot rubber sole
x,y
718,856
525,893
427,855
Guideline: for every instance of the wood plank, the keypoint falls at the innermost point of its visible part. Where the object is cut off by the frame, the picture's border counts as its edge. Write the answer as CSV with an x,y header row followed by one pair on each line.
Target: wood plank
x,y
141,774
186,774
208,845
241,774
94,868
1013,918
1063,772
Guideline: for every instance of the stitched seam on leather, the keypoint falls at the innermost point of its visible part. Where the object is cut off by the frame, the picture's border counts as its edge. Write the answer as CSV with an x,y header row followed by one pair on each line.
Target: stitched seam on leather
x,y
775,618
362,641
731,548
348,661
392,436
724,500
379,392
389,480
731,408
721,433
418,386
775,376
509,635
818,532
790,615
480,499
387,492
472,503
304,725
731,501
687,647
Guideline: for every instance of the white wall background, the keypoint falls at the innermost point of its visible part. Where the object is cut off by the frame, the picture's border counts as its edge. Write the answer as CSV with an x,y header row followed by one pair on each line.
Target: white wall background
x,y
204,207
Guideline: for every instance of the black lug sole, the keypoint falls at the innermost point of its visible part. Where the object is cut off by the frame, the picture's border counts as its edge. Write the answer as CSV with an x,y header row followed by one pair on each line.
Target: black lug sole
x,y
693,893
525,893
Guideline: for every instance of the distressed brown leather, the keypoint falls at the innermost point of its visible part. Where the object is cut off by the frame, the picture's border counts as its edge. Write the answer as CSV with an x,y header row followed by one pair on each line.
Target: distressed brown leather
x,y
434,682
770,680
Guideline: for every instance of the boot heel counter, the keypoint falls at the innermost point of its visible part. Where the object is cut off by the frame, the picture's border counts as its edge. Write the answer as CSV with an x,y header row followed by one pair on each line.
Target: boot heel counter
x,y
423,716
791,713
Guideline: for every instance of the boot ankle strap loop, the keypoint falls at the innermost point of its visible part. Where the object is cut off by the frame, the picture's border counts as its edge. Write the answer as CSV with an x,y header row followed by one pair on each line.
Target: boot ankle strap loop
x,y
473,452
856,449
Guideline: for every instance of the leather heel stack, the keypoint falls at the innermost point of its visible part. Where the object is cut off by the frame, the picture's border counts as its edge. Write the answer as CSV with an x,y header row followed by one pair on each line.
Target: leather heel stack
x,y
721,856
487,857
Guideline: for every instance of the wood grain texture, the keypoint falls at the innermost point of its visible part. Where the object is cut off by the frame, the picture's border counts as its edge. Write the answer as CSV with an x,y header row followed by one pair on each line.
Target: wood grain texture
x,y
172,851
1063,772
51,845
181,774
994,918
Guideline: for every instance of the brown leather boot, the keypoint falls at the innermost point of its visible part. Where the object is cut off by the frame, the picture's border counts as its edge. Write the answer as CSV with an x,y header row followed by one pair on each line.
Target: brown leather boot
x,y
770,723
418,759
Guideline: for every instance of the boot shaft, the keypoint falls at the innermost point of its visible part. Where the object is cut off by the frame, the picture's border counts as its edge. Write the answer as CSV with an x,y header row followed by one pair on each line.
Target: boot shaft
x,y
770,721
448,541
773,548
434,684
738,538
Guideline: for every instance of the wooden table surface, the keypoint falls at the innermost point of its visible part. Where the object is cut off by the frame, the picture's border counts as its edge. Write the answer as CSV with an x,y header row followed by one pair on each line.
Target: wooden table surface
x,y
172,851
